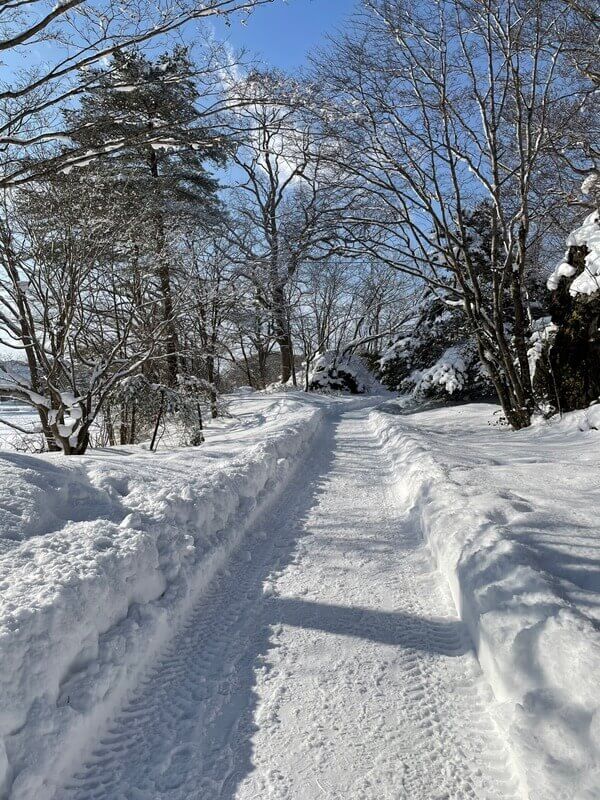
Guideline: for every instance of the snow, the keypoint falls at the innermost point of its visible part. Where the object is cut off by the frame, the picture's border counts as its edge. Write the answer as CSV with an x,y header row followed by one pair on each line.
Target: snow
x,y
327,662
511,520
563,270
543,331
330,372
588,235
591,183
449,372
24,417
102,555
333,597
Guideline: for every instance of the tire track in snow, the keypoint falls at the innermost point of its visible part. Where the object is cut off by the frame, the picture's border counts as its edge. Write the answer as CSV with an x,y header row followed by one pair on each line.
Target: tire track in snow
x,y
171,738
329,665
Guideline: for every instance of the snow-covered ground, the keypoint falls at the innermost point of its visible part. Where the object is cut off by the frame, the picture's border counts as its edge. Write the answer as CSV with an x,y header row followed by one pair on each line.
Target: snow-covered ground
x,y
23,417
101,556
512,521
330,665
331,598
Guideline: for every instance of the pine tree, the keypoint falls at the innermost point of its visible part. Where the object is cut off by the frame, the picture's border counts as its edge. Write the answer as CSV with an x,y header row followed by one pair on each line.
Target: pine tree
x,y
144,116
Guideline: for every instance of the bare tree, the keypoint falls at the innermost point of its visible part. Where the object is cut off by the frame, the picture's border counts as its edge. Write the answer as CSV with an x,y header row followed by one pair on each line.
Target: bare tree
x,y
215,294
440,106
72,303
346,305
285,206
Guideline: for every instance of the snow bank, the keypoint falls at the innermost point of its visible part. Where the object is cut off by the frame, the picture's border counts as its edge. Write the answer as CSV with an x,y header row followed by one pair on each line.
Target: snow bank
x,y
100,558
511,523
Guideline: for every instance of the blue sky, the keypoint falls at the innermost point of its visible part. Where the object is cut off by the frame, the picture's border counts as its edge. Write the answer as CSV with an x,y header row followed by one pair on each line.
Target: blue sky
x,y
282,33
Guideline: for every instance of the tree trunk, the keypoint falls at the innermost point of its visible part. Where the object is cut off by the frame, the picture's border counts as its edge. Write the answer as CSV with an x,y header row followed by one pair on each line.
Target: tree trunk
x,y
210,371
282,333
164,277
158,420
517,414
171,338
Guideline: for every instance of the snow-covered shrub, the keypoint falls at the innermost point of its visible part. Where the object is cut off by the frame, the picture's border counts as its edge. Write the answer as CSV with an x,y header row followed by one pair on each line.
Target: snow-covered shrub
x,y
573,376
434,356
449,373
331,372
191,392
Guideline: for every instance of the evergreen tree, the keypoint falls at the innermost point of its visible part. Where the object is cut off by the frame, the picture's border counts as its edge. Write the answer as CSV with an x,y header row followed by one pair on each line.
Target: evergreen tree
x,y
144,116
436,354
568,376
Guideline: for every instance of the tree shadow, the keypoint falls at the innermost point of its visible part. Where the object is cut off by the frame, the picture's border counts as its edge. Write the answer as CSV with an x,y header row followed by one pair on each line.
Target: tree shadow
x,y
228,734
437,636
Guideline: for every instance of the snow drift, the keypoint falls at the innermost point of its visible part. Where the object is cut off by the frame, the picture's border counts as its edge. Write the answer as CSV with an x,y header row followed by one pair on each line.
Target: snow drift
x,y
101,557
509,519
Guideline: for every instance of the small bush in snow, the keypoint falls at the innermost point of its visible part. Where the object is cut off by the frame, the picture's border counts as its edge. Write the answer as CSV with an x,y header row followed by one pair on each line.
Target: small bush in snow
x,y
331,372
434,356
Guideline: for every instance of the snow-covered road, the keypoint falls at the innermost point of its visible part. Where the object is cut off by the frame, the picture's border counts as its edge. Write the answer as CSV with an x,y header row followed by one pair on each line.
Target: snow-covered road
x,y
328,662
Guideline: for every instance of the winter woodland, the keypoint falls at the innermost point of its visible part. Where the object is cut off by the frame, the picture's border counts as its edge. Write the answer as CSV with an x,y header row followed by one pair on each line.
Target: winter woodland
x,y
243,268
177,221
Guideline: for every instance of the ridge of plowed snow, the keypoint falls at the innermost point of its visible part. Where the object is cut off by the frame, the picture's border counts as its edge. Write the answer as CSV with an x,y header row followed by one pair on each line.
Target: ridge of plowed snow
x,y
102,557
511,519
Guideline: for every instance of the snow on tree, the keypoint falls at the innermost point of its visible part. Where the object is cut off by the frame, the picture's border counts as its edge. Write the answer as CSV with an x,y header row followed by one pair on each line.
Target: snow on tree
x,y
78,35
585,273
82,319
438,107
160,171
434,356
340,372
571,378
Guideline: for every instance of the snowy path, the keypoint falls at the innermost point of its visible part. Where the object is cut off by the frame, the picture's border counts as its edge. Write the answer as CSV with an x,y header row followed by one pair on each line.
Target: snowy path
x,y
328,664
